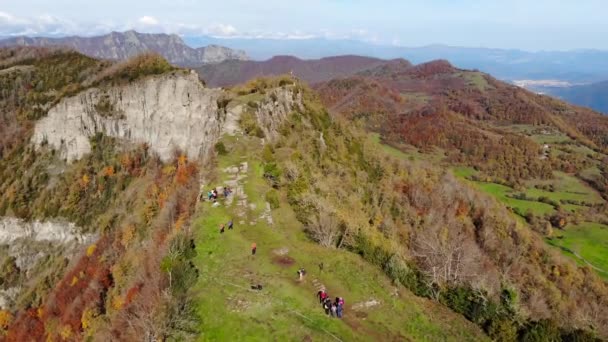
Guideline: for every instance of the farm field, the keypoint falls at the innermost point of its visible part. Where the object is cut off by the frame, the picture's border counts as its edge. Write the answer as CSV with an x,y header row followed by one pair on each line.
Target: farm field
x,y
588,241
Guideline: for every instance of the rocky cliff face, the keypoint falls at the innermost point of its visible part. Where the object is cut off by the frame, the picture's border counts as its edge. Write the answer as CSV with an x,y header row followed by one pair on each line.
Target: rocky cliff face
x,y
173,111
275,108
123,45
29,243
213,54
13,229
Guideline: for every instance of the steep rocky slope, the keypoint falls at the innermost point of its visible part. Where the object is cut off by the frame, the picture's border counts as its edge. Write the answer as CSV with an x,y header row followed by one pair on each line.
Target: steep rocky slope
x,y
123,45
170,112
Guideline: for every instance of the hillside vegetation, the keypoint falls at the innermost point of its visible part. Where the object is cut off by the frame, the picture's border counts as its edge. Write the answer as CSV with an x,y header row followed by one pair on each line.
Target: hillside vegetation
x,y
542,158
410,234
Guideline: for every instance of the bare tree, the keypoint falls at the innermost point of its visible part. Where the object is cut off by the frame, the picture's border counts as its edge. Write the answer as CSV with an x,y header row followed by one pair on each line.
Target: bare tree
x,y
325,226
446,255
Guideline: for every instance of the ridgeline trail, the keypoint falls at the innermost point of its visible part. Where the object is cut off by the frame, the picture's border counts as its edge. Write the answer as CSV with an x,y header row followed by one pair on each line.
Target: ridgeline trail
x,y
286,309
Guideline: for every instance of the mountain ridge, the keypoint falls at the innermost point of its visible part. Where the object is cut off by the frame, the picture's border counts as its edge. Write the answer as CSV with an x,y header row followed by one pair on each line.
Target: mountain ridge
x,y
123,45
230,73
581,65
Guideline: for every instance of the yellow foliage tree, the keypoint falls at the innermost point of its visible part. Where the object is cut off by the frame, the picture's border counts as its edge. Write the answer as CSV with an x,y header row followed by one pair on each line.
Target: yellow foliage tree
x,y
88,316
180,222
128,235
5,319
84,181
91,249
118,302
162,198
66,332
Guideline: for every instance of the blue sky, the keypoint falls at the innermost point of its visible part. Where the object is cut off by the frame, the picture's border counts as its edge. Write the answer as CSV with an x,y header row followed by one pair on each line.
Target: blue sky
x,y
524,24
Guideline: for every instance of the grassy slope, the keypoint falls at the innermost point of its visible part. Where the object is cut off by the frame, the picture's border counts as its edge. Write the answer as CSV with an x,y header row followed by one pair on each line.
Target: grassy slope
x,y
589,240
409,152
501,191
287,309
566,188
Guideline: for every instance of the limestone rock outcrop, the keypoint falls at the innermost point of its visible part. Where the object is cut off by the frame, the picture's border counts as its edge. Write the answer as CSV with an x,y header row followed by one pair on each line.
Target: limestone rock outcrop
x,y
57,232
275,108
168,112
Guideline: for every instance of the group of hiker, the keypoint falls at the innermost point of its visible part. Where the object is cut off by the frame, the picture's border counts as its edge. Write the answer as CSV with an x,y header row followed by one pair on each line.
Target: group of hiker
x,y
230,225
332,308
213,193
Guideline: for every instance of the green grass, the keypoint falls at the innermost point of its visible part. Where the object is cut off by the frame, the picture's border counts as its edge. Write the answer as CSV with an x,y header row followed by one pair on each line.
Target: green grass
x,y
287,310
375,137
566,188
245,99
588,240
408,152
591,173
475,78
464,171
501,192
550,138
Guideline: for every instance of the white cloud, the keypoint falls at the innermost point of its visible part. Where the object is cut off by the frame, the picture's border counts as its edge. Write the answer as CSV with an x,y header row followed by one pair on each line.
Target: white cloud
x,y
148,21
11,25
222,30
46,24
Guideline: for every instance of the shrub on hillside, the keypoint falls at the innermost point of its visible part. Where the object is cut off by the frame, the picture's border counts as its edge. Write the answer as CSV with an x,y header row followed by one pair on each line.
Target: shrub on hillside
x,y
272,197
249,124
220,148
136,67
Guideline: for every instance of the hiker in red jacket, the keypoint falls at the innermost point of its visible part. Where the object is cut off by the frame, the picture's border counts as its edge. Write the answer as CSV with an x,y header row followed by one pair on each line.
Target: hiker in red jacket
x,y
322,296
254,248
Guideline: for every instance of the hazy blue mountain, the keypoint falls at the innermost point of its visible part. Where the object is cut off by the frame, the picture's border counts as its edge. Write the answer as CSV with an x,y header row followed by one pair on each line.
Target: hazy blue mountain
x,y
579,66
594,96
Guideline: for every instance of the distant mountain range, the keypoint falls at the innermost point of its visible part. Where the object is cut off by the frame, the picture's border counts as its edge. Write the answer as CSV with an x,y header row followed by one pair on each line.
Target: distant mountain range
x,y
118,46
233,72
578,66
594,96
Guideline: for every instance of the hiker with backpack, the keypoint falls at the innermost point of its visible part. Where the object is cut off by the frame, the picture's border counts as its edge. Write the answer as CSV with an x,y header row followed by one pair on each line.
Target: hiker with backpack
x,y
339,306
301,274
254,248
327,306
222,228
